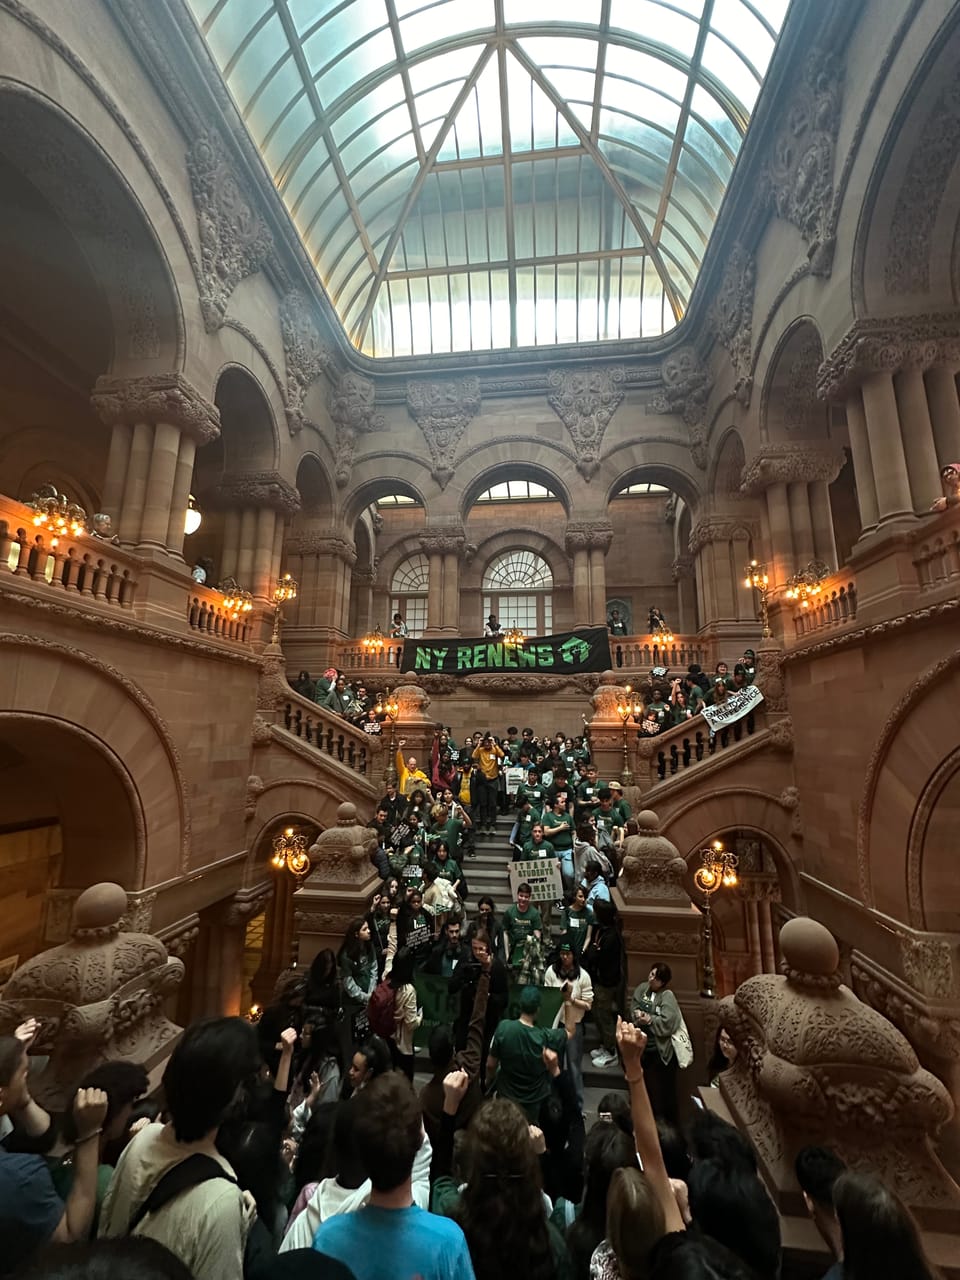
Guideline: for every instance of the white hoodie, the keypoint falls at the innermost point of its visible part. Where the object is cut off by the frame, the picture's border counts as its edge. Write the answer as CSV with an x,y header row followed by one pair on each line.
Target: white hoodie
x,y
330,1199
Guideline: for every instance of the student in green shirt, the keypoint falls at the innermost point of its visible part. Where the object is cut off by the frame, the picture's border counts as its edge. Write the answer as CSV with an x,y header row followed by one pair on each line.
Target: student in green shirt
x,y
576,921
520,921
538,846
533,791
558,828
623,810
447,828
523,827
448,866
587,792
516,1055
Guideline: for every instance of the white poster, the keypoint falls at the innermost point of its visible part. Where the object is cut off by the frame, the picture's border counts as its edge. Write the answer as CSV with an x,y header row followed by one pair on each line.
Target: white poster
x,y
541,874
514,775
734,707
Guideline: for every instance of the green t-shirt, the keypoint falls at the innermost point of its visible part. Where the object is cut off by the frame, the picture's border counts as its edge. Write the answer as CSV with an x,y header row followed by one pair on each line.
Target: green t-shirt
x,y
587,792
450,871
535,794
451,833
542,850
561,840
574,926
518,926
525,823
519,1050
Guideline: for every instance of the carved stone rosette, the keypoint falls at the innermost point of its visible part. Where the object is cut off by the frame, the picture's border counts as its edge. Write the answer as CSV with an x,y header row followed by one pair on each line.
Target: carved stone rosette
x,y
234,239
790,463
585,400
153,398
587,535
731,317
799,176
305,353
443,411
258,489
887,345
686,388
352,407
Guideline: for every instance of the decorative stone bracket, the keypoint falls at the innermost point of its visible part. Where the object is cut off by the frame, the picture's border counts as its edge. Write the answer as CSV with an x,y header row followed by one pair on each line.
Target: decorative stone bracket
x,y
156,397
305,353
352,407
443,411
686,388
888,345
789,464
585,400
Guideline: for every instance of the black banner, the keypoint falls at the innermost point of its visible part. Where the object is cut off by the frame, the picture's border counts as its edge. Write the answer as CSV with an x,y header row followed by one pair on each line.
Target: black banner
x,y
568,653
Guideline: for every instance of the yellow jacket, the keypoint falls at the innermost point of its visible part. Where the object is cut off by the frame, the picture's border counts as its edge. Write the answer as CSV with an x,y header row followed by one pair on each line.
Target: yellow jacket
x,y
408,781
488,760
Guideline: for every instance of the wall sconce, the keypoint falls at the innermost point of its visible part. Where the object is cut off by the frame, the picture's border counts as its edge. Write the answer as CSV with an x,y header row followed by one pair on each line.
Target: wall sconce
x,y
193,518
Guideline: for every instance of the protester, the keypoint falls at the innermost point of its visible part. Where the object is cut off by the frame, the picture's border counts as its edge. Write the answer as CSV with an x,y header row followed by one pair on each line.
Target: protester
x,y
516,1055
520,922
574,981
879,1236
357,964
406,1014
487,755
655,1009
604,961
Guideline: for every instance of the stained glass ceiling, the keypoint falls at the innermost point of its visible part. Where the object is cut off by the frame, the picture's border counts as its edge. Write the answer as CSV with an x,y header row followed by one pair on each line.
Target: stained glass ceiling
x,y
471,175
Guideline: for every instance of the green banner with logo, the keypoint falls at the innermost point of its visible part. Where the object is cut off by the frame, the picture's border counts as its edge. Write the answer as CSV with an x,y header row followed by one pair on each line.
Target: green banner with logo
x,y
567,653
442,1009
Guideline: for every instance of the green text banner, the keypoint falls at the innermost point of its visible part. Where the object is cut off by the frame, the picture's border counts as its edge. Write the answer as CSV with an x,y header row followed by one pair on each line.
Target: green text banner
x,y
567,653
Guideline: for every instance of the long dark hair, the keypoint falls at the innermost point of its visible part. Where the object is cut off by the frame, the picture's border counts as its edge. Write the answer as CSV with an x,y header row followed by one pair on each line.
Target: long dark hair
x,y
501,1208
559,970
607,1148
402,971
351,946
880,1236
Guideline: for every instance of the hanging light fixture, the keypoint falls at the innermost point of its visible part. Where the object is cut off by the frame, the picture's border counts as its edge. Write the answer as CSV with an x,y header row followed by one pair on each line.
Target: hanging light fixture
x,y
193,517
236,601
807,582
514,637
55,512
373,642
290,852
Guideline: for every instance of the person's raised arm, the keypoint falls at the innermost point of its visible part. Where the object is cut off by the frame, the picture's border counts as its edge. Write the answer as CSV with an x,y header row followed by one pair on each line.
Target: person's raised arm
x,y
30,1118
288,1042
455,1085
631,1042
469,1059
89,1113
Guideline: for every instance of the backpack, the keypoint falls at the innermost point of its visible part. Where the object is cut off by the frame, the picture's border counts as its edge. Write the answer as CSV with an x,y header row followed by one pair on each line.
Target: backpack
x,y
181,1177
381,1010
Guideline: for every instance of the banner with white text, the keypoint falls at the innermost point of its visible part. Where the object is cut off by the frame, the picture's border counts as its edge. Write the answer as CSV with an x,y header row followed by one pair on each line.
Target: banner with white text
x,y
734,707
564,654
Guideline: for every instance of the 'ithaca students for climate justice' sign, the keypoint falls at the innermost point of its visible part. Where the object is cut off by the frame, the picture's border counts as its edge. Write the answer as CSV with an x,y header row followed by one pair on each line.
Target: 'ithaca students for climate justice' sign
x,y
567,653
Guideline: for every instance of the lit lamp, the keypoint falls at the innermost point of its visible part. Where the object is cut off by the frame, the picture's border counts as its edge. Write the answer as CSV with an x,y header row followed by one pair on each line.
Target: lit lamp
x,y
757,580
806,582
373,642
290,852
193,517
236,601
284,591
513,637
630,706
717,870
389,706
55,512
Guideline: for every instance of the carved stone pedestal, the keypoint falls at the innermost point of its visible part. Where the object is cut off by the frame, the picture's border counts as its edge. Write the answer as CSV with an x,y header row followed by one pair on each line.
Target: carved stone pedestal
x,y
341,879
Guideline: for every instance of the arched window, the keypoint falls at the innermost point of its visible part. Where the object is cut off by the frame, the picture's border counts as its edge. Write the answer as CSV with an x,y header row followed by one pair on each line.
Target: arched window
x,y
518,588
408,592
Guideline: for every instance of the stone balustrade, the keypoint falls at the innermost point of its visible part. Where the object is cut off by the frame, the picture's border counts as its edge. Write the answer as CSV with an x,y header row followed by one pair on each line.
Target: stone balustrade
x,y
937,558
682,747
835,606
328,733
354,659
206,614
81,565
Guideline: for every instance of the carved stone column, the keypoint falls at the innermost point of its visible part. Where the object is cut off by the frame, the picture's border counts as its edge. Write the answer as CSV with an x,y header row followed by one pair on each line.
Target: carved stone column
x,y
941,382
721,544
157,422
886,448
362,586
587,543
862,462
918,443
257,503
683,576
443,547
821,513
794,479
801,522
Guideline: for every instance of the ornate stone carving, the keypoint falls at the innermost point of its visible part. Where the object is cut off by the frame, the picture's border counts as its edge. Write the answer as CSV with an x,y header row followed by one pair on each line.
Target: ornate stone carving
x,y
322,542
261,734
719,529
246,904
799,176
585,400
322,922
352,407
443,411
802,412
731,317
255,790
930,965
97,997
769,677
789,799
933,157
816,1065
886,345
932,1031
587,535
234,239
342,853
180,937
305,353
139,913
781,735
682,568
443,540
652,866
790,463
273,687
661,943
686,388
156,397
258,489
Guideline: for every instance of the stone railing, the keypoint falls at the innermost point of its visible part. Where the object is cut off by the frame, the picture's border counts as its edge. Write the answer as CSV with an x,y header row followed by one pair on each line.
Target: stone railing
x,y
684,746
206,614
328,733
81,566
352,657
833,607
641,654
937,555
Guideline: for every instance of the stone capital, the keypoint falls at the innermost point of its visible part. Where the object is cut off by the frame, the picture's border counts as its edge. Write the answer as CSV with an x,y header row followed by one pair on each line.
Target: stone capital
x,y
886,346
446,540
719,529
788,464
682,568
585,400
245,904
588,535
153,398
258,489
443,411
325,542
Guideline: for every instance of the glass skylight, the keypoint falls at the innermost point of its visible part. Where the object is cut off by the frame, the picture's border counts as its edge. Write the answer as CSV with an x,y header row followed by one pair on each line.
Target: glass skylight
x,y
642,489
470,175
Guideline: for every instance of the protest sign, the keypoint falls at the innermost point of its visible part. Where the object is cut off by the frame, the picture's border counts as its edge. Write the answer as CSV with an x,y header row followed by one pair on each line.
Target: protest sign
x,y
541,874
734,707
567,653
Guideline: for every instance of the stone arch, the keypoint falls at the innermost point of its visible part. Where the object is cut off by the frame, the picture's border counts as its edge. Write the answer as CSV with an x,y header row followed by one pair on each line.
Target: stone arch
x,y
249,436
698,820
906,255
499,471
518,537
69,169
728,464
312,801
41,680
910,774
35,455
379,485
789,407
316,490
635,471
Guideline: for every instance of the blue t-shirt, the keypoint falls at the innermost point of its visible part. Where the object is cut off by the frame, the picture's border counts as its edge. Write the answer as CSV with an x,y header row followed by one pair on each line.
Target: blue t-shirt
x,y
396,1244
30,1208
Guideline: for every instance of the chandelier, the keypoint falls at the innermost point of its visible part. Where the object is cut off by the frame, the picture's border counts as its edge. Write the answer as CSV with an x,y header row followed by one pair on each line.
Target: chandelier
x,y
514,637
373,642
55,511
290,852
806,582
717,870
236,601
